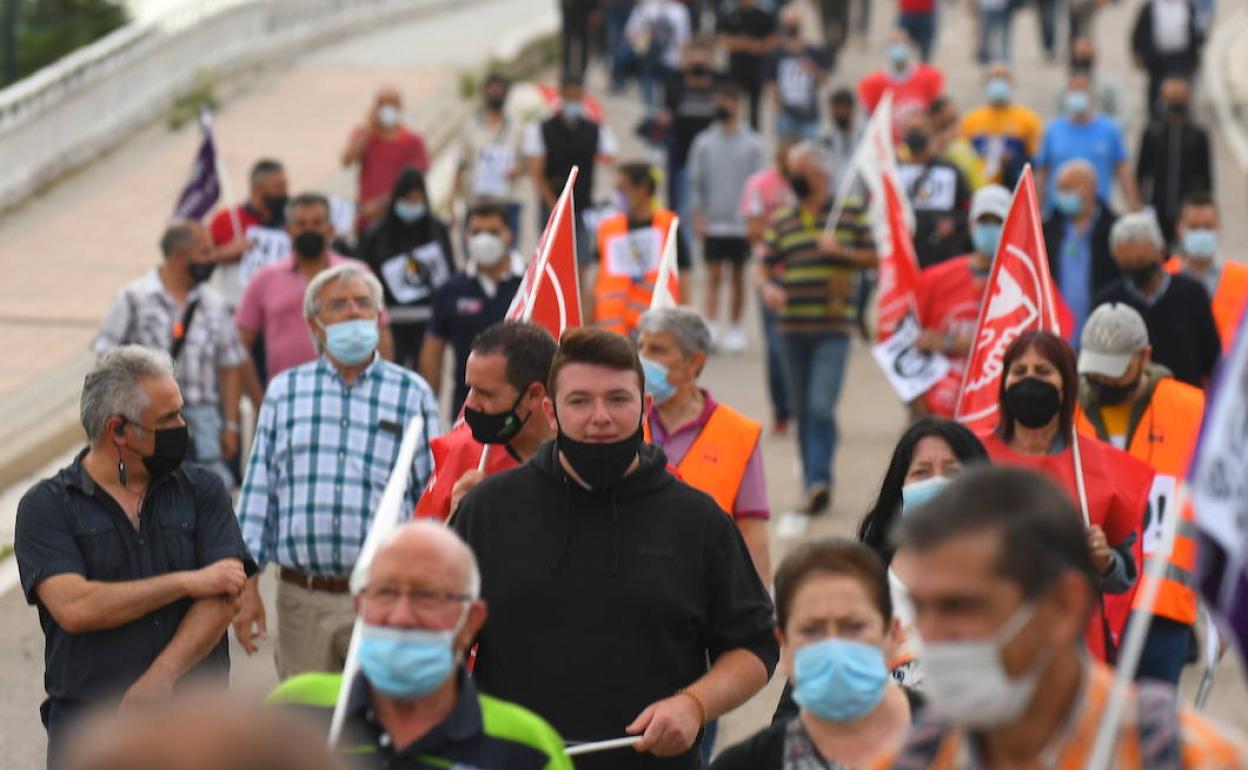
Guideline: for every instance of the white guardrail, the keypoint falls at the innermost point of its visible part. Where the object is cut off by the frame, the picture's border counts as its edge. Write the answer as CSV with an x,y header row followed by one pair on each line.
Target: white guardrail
x,y
77,108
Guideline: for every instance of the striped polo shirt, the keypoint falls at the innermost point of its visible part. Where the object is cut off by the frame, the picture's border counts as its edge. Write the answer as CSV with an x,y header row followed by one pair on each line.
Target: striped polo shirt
x,y
821,290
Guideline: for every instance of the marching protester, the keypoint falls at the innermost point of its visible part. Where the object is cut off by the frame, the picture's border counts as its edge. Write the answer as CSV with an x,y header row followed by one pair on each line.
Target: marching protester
x,y
1103,86
1174,156
1038,397
633,620
273,305
263,237
382,147
1137,406
810,278
1166,41
949,295
1076,238
948,143
1003,586
490,162
1200,255
506,370
795,73
473,299
914,85
134,560
840,140
721,161
835,621
713,447
409,249
630,249
691,108
747,31
656,34
1176,309
939,194
1005,133
172,308
327,438
412,702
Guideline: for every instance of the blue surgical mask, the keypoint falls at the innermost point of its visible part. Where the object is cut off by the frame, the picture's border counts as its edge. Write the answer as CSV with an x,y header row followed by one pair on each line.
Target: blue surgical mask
x,y
839,679
1068,202
572,110
999,91
409,212
899,55
657,384
1076,102
406,663
986,236
352,342
917,493
1200,243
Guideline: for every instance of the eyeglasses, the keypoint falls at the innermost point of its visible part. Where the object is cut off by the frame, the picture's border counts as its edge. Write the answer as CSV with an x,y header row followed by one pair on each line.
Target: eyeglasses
x,y
340,304
386,598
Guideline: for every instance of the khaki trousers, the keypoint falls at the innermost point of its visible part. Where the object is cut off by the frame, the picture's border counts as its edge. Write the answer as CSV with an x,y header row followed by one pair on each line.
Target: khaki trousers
x,y
313,630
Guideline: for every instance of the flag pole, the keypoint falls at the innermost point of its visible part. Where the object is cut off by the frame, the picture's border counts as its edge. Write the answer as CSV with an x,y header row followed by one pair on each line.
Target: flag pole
x,y
223,181
851,174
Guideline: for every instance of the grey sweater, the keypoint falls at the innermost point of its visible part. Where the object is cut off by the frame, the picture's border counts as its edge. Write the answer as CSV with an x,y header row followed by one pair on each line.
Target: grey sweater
x,y
720,162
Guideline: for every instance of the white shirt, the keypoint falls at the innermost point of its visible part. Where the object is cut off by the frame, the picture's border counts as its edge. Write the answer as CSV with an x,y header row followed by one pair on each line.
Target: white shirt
x,y
1171,25
666,19
535,145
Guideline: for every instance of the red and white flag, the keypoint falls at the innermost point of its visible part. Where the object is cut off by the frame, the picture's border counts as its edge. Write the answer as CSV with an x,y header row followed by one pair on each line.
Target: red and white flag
x,y
1019,298
550,294
899,266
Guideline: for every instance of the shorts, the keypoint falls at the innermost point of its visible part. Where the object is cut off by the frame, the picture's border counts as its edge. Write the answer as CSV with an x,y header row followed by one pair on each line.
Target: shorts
x,y
719,249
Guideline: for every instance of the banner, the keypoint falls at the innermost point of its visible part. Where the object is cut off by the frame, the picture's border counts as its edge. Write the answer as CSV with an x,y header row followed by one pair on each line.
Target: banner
x,y
911,372
1019,298
203,186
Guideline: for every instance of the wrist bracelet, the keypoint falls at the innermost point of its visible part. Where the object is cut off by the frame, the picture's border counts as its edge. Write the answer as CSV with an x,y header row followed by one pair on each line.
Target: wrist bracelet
x,y
706,716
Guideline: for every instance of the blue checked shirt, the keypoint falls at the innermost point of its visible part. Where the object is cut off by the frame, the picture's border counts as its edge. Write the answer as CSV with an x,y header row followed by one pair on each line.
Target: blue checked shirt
x,y
322,454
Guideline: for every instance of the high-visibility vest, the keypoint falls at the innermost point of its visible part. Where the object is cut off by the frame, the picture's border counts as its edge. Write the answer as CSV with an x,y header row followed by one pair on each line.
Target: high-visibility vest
x,y
1229,302
1165,438
716,461
627,273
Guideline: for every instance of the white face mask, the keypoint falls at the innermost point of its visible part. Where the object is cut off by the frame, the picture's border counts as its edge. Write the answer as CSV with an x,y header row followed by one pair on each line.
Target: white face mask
x,y
486,249
967,680
388,115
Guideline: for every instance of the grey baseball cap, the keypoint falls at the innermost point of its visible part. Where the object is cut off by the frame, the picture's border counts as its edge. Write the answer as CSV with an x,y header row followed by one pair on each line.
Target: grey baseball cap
x,y
990,199
1111,336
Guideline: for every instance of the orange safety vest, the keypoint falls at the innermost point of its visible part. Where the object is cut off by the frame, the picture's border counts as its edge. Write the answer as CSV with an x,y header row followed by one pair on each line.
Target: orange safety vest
x,y
716,461
626,278
1229,301
1165,438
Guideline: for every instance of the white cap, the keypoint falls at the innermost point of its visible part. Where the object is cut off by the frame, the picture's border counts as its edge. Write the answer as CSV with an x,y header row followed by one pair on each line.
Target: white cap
x,y
1111,336
990,199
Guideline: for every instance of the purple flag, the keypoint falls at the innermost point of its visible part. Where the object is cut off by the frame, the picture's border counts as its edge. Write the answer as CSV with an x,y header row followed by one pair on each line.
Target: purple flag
x,y
203,187
1219,487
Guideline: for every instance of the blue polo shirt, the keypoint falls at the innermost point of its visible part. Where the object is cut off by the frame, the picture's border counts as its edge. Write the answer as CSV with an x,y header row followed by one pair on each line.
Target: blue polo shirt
x,y
462,309
1099,141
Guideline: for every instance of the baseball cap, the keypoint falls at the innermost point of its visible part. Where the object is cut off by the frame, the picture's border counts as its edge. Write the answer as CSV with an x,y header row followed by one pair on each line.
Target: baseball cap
x,y
990,199
1112,334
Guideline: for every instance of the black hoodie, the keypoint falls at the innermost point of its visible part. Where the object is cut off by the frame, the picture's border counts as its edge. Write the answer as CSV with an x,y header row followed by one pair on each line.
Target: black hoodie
x,y
601,603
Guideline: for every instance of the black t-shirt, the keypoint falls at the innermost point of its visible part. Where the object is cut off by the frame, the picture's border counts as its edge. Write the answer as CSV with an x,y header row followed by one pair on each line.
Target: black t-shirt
x,y
411,261
693,111
69,525
796,85
461,311
938,192
755,23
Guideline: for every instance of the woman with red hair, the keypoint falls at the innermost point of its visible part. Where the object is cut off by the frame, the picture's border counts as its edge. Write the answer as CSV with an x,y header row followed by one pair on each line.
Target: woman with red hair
x,y
1037,400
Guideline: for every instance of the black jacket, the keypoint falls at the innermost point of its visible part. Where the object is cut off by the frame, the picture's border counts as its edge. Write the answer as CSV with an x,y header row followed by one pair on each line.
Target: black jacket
x,y
1144,48
603,602
1174,161
1104,271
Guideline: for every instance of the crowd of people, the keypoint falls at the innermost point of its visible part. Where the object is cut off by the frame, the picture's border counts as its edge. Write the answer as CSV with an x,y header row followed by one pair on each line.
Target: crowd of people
x,y
590,556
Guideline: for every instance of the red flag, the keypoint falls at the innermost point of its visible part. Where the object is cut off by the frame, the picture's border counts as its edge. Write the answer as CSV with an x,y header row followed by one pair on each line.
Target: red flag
x,y
899,267
1019,298
550,294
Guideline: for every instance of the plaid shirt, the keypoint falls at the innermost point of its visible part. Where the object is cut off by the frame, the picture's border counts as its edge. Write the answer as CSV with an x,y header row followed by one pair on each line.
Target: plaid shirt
x,y
322,455
143,313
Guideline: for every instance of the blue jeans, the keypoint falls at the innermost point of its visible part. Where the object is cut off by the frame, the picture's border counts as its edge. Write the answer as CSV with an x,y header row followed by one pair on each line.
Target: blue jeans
x,y
994,36
777,364
615,18
921,27
205,424
817,372
798,129
1165,651
651,72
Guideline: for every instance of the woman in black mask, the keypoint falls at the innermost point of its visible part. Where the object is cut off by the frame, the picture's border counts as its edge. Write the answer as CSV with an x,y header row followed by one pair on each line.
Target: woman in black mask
x,y
410,251
1038,399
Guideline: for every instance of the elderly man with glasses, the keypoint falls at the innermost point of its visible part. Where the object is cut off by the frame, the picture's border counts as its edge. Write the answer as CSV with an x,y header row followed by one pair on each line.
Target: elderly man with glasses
x,y
327,439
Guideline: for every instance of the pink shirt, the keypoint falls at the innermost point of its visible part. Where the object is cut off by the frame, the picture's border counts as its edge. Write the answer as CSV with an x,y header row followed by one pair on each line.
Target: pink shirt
x,y
751,502
272,306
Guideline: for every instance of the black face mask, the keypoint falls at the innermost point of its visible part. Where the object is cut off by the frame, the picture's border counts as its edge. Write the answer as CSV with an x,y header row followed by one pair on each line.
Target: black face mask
x,y
916,142
309,244
495,428
1141,277
276,206
1033,402
843,122
801,186
495,102
722,113
699,71
1082,66
1112,395
200,271
169,452
601,466
1176,109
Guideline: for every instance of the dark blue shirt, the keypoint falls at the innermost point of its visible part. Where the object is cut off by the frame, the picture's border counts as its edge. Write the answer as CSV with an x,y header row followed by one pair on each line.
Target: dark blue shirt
x,y
461,310
69,524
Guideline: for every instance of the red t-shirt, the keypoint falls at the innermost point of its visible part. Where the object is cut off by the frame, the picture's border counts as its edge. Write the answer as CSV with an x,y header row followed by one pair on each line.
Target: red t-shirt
x,y
916,6
1117,487
454,454
221,227
949,294
910,96
384,157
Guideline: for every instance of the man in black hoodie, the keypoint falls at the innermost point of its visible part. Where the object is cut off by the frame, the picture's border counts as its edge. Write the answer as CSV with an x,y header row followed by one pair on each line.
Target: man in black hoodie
x,y
611,583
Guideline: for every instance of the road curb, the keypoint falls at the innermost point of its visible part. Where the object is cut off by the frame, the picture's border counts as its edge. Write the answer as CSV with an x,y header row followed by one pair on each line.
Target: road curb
x,y
1228,33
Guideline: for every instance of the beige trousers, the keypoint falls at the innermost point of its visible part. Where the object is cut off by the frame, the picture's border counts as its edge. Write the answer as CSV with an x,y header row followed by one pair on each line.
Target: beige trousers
x,y
313,630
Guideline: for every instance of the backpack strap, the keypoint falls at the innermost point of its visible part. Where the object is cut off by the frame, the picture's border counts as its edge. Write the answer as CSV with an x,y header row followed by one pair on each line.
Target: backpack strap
x,y
922,746
1160,736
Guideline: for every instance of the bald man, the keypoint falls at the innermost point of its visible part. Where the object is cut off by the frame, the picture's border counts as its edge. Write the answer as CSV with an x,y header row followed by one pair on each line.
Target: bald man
x,y
1076,235
383,147
413,701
